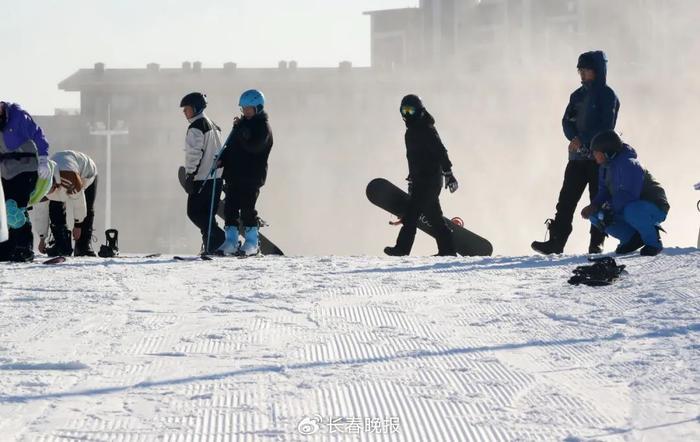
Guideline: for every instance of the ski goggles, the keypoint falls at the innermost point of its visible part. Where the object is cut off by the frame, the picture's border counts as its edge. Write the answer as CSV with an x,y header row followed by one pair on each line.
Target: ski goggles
x,y
408,111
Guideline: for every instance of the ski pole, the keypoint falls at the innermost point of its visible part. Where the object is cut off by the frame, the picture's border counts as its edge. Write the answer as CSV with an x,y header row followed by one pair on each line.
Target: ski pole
x,y
212,173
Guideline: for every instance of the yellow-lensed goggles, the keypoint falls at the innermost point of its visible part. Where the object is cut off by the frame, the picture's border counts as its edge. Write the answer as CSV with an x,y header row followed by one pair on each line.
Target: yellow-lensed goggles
x,y
408,111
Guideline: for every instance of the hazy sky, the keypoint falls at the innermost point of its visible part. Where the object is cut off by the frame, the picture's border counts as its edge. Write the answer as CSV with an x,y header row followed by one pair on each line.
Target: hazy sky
x,y
45,41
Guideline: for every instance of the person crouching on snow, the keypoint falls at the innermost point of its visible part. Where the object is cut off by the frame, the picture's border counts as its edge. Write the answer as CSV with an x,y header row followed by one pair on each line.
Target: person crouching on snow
x,y
630,204
74,186
245,170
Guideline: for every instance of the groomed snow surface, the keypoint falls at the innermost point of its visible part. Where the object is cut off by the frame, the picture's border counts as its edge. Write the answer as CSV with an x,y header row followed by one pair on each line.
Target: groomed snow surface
x,y
349,348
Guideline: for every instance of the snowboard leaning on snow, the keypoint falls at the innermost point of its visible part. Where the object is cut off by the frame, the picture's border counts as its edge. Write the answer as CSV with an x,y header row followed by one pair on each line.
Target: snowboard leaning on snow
x,y
267,247
382,193
3,217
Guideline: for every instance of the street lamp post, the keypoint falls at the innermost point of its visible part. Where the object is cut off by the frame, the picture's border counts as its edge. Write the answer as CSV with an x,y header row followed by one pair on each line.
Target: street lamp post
x,y
108,132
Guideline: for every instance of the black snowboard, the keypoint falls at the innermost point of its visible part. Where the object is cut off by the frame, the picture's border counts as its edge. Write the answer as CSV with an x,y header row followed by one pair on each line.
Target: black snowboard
x,y
266,246
382,193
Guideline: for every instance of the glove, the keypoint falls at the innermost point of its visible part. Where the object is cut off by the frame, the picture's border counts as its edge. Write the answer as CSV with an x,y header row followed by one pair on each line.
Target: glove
x,y
44,171
450,181
189,184
588,211
605,216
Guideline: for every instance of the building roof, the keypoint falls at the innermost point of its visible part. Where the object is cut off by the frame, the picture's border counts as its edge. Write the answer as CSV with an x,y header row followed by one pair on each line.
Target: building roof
x,y
100,77
392,11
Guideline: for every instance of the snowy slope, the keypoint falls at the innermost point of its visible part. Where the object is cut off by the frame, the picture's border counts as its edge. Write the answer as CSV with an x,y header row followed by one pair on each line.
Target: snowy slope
x,y
353,348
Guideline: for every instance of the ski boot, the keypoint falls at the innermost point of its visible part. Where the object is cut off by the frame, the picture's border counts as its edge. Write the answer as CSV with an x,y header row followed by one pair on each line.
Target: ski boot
x,y
110,249
232,244
250,247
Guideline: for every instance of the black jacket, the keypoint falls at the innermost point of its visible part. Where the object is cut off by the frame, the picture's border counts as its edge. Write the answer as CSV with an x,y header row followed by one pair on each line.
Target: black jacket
x,y
427,156
249,146
592,108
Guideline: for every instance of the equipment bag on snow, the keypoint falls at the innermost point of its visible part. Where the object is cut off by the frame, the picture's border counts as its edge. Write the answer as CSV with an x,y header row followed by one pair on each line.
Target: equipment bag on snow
x,y
603,271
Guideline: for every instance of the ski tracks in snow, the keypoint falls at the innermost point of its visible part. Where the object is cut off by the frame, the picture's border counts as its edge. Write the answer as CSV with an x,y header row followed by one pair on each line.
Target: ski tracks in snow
x,y
349,348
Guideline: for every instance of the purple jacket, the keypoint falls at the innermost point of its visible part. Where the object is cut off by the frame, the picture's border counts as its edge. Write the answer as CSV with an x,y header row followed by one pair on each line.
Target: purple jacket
x,y
620,180
19,127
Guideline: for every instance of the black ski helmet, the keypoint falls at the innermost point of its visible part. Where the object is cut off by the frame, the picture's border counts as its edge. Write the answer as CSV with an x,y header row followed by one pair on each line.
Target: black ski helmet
x,y
411,101
607,142
197,100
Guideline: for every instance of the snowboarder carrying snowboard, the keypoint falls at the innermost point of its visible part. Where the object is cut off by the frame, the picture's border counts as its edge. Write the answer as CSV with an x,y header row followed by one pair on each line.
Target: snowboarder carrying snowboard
x,y
592,108
245,170
427,164
630,203
23,159
202,143
74,184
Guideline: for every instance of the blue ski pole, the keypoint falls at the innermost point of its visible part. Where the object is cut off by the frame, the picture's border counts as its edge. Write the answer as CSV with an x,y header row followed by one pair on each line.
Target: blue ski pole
x,y
212,173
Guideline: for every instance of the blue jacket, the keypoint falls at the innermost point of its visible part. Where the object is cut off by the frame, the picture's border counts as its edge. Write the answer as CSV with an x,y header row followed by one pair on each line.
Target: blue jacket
x,y
592,108
19,127
623,180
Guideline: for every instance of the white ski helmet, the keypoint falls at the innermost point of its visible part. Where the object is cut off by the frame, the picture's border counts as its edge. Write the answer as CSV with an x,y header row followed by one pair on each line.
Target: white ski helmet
x,y
252,98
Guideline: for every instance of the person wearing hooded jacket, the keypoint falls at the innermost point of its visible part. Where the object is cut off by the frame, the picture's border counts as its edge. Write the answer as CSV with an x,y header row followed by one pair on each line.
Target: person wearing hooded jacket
x,y
428,163
245,165
74,187
202,144
592,108
23,159
630,204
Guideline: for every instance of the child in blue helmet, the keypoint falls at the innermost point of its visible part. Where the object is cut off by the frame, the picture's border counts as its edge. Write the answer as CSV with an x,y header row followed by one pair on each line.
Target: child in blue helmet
x,y
245,170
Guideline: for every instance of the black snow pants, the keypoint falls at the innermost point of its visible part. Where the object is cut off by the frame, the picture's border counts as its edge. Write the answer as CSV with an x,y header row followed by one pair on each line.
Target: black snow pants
x,y
57,218
425,201
577,176
18,189
198,207
240,204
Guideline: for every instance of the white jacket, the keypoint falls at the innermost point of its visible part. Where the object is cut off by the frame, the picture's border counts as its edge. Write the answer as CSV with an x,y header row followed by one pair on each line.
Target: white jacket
x,y
202,143
68,161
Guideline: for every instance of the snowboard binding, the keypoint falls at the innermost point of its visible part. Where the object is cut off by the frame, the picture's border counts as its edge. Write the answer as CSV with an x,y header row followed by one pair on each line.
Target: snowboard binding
x,y
110,249
602,272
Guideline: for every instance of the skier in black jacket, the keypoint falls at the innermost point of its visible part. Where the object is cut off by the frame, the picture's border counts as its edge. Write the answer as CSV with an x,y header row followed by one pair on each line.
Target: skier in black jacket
x,y
427,164
592,109
245,170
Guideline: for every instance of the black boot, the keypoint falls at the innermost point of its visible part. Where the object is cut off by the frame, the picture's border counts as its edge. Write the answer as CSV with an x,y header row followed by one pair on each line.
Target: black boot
x,y
651,250
83,246
61,244
556,242
395,251
404,242
630,246
22,254
597,241
648,250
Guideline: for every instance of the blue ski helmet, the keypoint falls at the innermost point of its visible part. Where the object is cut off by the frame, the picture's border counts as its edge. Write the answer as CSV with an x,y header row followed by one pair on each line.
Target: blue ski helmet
x,y
197,100
252,98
